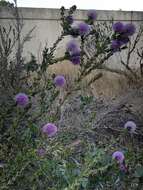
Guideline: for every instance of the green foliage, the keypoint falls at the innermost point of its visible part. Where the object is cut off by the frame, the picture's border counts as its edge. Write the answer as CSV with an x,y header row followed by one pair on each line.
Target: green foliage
x,y
86,99
31,65
71,167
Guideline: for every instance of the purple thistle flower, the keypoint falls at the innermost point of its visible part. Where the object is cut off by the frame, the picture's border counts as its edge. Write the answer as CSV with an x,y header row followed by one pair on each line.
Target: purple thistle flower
x,y
75,59
41,152
92,14
119,156
130,126
69,19
129,29
60,81
49,129
115,45
75,53
73,47
22,99
118,27
83,28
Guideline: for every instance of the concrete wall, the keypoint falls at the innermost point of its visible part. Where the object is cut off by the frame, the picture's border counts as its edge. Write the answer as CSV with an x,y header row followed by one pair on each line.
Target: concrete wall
x,y
47,23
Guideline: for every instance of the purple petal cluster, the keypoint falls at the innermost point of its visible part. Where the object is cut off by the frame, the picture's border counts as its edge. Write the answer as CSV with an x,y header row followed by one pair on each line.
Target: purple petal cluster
x,y
83,28
129,29
49,129
73,47
123,32
119,156
60,81
41,152
118,27
74,52
130,126
115,45
92,14
126,29
75,59
22,99
69,19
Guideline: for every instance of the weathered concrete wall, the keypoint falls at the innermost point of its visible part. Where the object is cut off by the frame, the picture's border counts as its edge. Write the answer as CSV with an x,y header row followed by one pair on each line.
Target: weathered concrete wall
x,y
47,23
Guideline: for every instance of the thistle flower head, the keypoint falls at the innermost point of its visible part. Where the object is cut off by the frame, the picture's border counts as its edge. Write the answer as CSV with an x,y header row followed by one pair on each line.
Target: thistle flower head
x,y
49,129
69,19
92,14
130,126
73,47
22,99
83,28
119,156
129,29
115,45
118,27
60,81
75,59
41,152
